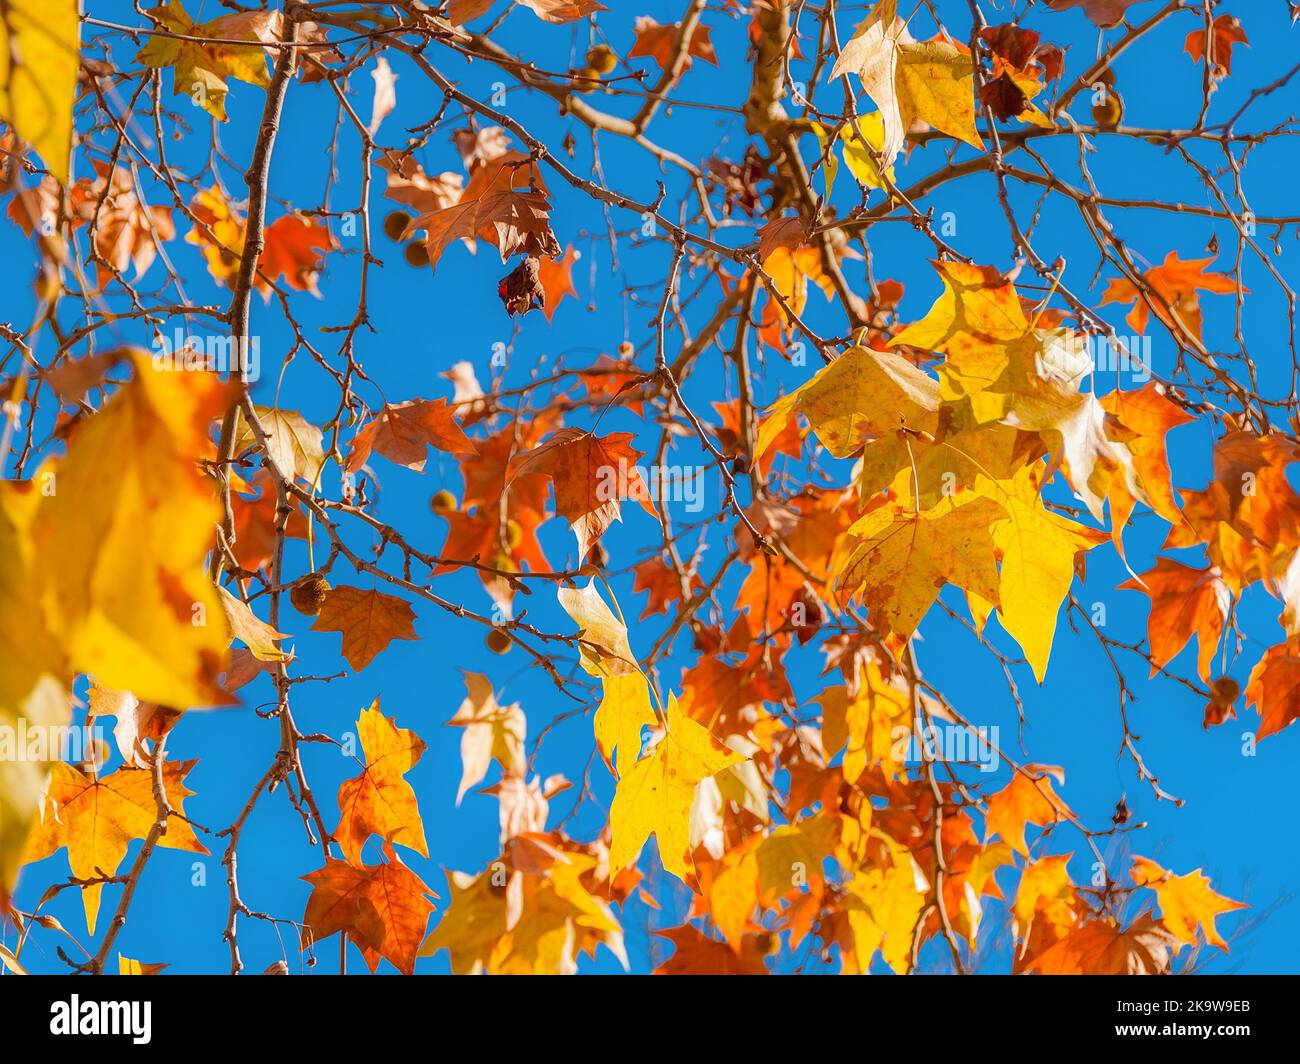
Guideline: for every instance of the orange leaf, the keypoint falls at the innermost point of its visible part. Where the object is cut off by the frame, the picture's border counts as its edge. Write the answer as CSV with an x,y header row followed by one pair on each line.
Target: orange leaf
x,y
1184,602
368,620
590,475
402,432
380,801
383,908
1186,902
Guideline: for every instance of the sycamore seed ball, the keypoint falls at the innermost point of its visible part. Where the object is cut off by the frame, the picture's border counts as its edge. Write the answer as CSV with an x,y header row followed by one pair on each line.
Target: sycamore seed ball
x,y
308,594
497,641
1108,112
585,79
395,224
602,59
443,503
416,253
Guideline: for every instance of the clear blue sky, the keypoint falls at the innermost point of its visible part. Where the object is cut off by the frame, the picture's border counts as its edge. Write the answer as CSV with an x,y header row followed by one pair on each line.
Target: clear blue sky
x,y
1235,824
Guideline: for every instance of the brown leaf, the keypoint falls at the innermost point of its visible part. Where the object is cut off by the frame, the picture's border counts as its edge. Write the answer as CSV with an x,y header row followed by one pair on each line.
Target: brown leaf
x,y
368,621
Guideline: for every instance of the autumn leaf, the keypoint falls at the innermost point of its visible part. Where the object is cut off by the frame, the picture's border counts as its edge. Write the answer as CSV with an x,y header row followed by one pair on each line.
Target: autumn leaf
x,y
1102,947
1187,904
1274,688
492,731
383,908
1027,799
1224,33
556,278
1174,284
293,250
591,475
909,80
1101,12
96,819
368,621
625,706
200,71
127,966
1185,601
380,801
657,42
403,432
696,954
901,560
40,41
293,443
128,592
251,630
655,797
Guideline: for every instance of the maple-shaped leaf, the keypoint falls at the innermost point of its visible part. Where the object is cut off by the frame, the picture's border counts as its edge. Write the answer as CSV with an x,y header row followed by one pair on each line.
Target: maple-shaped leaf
x,y
1185,601
973,322
384,908
696,954
218,232
1224,33
124,540
1187,904
909,80
35,678
790,273
200,68
902,559
128,233
655,797
505,203
403,432
473,924
787,233
1102,947
1045,893
657,42
492,731
380,801
1145,417
368,621
97,818
294,249
40,41
1274,688
590,475
1027,799
881,906
1175,283
862,398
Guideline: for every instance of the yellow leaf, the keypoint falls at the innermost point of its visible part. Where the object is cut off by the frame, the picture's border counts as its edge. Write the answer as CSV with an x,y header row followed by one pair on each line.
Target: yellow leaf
x,y
96,819
123,538
33,688
936,85
380,801
655,797
1038,553
40,46
902,559
1186,902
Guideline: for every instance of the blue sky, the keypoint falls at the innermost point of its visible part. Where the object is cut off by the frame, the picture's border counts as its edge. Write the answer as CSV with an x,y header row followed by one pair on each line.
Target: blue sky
x,y
1234,823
